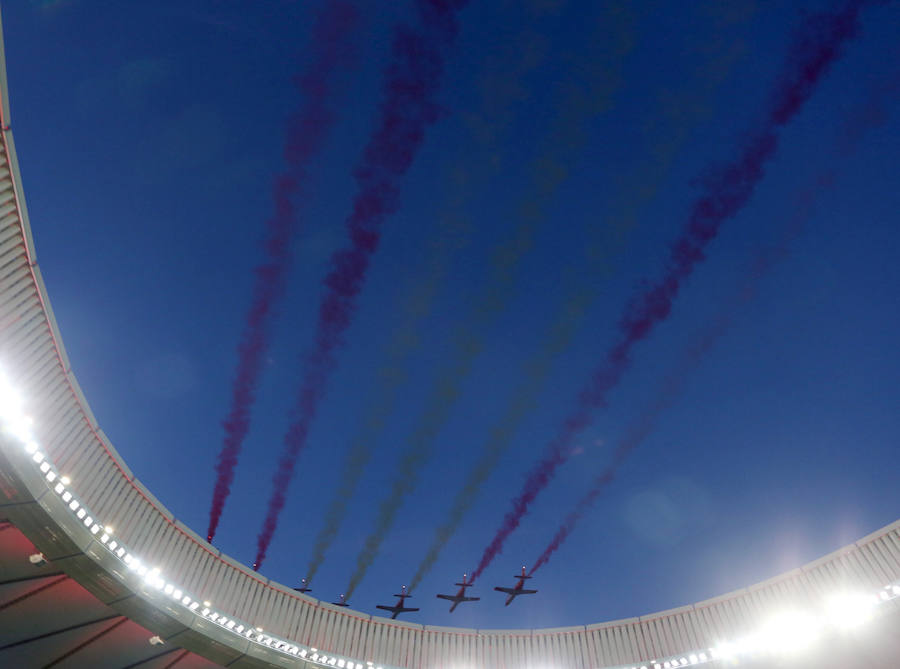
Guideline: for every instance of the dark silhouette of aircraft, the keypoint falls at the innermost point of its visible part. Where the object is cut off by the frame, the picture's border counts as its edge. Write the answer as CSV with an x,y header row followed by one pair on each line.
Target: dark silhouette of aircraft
x,y
398,607
304,586
460,595
517,589
342,601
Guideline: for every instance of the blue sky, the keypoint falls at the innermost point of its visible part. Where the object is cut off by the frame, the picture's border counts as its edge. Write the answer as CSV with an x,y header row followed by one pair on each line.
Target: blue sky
x,y
149,137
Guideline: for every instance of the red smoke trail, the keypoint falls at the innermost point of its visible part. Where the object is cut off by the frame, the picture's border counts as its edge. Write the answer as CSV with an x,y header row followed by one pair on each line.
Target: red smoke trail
x,y
672,386
815,46
871,114
307,131
409,107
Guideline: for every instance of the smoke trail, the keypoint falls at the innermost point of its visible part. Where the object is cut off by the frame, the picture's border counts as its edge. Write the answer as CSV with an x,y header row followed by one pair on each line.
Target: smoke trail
x,y
671,388
871,114
501,86
641,189
412,79
307,131
583,97
814,48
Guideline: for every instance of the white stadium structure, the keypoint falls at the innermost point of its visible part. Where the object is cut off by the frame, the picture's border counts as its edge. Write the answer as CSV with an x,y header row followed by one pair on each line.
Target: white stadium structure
x,y
96,572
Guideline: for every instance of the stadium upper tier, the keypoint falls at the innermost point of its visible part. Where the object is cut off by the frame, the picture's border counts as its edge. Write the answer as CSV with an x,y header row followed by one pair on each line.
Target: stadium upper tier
x,y
66,488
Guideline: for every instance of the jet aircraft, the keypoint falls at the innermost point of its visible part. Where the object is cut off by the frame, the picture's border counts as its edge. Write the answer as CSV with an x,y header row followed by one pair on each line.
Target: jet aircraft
x,y
342,601
517,589
460,595
304,586
398,607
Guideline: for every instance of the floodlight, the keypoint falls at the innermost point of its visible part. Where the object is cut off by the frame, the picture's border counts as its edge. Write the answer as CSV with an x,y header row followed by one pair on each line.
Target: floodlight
x,y
10,400
847,610
788,632
18,427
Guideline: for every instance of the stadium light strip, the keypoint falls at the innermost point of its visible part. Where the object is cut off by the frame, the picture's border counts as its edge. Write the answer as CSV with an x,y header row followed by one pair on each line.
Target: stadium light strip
x,y
788,632
17,424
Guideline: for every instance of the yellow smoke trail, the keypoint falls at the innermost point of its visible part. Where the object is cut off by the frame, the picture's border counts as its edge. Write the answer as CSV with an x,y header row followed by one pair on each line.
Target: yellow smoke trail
x,y
587,91
678,117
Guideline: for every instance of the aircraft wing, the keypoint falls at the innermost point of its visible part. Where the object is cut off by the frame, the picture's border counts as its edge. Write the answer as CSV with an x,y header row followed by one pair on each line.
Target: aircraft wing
x,y
449,598
395,610
526,592
508,591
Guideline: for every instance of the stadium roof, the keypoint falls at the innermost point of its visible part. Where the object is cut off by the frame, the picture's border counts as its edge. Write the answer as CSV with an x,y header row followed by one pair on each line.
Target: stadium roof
x,y
96,571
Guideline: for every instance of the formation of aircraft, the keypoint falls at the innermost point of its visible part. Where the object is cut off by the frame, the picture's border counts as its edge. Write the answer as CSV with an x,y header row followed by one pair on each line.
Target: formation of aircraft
x,y
398,607
460,595
457,599
517,589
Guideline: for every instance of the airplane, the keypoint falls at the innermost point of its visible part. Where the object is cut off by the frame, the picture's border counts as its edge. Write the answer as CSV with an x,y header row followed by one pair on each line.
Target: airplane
x,y
398,607
516,590
342,602
304,586
460,595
